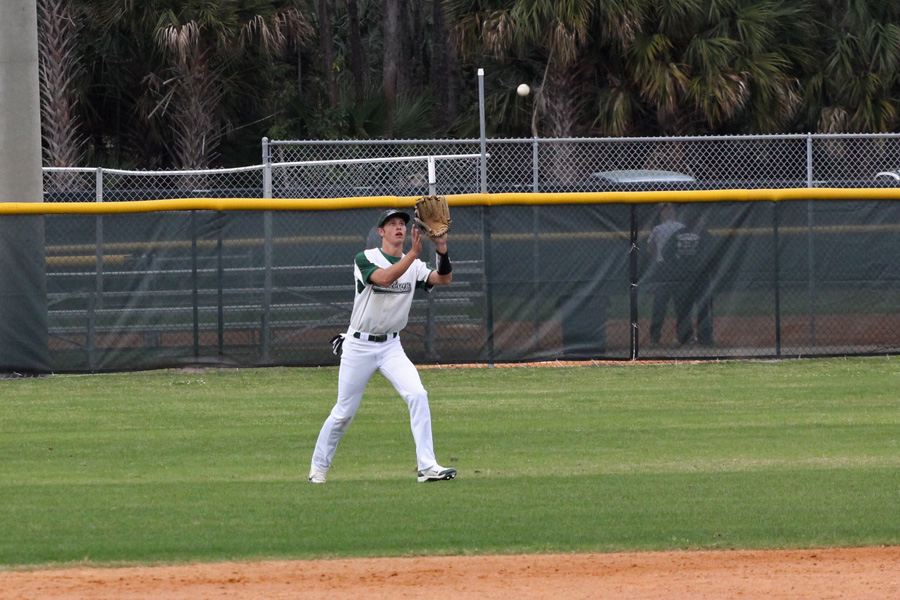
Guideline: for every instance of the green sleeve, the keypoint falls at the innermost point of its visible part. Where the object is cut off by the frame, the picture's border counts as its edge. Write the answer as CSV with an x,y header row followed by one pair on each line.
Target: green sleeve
x,y
422,284
366,267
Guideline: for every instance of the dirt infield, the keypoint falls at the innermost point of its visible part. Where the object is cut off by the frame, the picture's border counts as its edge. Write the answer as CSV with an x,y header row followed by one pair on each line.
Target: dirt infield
x,y
847,573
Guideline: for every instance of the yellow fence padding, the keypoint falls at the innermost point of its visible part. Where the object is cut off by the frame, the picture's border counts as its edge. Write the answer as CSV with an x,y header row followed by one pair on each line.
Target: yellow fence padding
x,y
522,199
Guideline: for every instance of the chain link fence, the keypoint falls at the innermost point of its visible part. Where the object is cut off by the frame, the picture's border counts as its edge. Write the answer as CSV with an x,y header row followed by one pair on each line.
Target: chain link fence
x,y
713,162
335,169
116,185
531,282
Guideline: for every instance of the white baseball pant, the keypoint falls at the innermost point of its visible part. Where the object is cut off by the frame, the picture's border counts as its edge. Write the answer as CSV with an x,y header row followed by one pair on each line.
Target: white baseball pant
x,y
359,360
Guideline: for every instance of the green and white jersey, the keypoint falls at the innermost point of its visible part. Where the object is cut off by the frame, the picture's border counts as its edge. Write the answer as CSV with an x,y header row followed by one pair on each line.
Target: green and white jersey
x,y
378,309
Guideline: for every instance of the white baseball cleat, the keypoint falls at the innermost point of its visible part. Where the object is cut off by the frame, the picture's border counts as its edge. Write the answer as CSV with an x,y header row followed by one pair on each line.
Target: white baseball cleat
x,y
436,473
316,476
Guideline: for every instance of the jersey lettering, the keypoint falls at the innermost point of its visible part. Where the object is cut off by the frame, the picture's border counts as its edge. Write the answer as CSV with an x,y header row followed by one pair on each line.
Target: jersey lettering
x,y
395,288
688,244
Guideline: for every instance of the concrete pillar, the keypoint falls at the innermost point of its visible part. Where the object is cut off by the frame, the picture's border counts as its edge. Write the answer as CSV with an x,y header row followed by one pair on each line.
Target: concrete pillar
x,y
23,298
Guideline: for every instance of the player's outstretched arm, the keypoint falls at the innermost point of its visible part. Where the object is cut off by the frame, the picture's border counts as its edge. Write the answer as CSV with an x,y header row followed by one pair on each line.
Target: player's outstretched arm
x,y
444,273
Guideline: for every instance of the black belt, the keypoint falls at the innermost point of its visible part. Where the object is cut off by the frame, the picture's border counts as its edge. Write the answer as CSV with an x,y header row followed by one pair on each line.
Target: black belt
x,y
367,337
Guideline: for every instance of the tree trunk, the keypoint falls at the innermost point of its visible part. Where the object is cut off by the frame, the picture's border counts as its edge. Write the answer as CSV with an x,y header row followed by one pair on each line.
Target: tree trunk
x,y
559,108
63,146
417,58
326,48
356,60
392,48
562,86
445,71
197,130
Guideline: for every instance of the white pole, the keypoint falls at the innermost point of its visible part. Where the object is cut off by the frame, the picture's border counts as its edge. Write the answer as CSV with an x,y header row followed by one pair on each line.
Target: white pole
x,y
268,251
432,176
483,131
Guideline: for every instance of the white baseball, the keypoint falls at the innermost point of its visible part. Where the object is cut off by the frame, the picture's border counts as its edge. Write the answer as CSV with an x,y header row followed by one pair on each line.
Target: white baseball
x,y
523,89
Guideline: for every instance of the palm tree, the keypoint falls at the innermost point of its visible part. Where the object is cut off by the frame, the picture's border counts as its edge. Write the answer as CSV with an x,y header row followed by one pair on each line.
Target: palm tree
x,y
326,50
856,87
59,68
547,36
200,46
696,66
445,69
356,50
390,74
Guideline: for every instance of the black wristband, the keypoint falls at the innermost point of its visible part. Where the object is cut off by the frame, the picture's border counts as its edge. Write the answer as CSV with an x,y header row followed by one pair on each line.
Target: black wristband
x,y
443,263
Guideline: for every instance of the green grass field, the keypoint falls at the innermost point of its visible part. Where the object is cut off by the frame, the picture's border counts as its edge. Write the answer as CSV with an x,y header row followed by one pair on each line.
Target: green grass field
x,y
172,466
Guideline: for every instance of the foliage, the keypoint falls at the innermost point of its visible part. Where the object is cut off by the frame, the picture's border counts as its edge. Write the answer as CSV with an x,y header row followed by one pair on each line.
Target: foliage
x,y
698,67
169,83
856,91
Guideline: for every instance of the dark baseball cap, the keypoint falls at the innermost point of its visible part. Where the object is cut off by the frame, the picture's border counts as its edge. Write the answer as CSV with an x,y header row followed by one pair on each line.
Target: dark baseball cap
x,y
391,212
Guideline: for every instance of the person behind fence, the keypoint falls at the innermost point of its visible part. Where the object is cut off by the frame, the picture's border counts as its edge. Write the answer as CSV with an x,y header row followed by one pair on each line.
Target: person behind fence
x,y
688,256
385,280
662,285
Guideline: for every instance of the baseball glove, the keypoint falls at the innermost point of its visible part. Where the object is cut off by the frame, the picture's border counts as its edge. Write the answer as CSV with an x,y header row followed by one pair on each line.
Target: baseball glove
x,y
433,215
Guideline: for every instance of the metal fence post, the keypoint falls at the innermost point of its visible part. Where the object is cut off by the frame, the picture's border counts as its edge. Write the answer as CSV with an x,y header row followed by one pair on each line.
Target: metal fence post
x,y
99,239
267,168
268,249
90,343
633,284
430,348
809,160
483,129
96,301
811,269
98,186
536,274
486,226
432,176
220,294
535,286
195,286
486,279
810,244
776,275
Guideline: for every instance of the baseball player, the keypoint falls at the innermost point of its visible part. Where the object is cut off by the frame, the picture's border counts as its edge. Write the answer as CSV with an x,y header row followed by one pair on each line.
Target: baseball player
x,y
385,280
690,253
661,282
